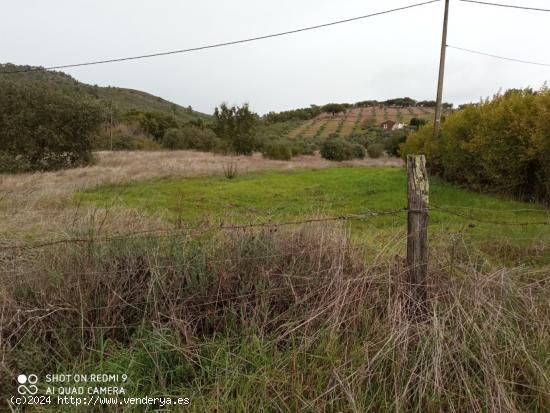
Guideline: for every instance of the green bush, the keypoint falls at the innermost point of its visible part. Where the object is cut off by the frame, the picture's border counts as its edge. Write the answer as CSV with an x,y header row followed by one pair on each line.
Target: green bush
x,y
392,143
375,150
359,138
501,145
154,123
236,126
357,151
190,137
10,163
277,150
336,150
146,144
304,147
124,143
44,129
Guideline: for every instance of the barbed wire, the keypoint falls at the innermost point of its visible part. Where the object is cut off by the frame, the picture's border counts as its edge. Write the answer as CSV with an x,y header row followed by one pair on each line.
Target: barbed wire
x,y
486,221
151,267
202,229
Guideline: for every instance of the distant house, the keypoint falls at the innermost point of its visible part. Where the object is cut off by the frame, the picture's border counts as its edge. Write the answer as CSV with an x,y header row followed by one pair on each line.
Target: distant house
x,y
391,125
398,126
387,125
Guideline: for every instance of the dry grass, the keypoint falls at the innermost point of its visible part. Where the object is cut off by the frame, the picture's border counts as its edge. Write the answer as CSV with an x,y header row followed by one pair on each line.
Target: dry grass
x,y
322,331
35,205
121,167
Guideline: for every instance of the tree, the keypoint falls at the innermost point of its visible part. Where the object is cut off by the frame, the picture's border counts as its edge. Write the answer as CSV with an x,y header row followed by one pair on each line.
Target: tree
x,y
334,108
236,127
417,122
44,129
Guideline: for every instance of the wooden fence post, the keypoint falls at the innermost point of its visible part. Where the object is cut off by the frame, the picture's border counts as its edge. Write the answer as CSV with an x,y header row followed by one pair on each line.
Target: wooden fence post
x,y
417,231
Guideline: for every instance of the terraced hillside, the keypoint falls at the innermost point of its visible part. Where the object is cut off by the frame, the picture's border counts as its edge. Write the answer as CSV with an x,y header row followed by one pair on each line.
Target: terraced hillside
x,y
344,124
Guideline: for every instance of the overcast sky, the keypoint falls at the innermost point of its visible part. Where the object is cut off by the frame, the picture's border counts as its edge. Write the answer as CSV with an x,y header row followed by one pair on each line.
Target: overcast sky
x,y
387,56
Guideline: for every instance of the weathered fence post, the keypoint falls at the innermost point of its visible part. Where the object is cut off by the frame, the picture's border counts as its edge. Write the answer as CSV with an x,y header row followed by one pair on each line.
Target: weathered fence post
x,y
417,230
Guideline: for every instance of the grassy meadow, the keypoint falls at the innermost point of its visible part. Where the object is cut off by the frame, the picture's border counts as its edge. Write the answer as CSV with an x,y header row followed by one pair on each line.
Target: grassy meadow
x,y
300,318
281,196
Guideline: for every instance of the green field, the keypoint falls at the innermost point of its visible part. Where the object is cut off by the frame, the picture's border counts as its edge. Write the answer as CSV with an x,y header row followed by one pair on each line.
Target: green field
x,y
491,222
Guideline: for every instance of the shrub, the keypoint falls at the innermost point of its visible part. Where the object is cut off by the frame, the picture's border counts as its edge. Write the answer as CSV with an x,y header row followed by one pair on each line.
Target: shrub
x,y
126,136
375,150
44,129
336,150
391,144
190,137
359,138
236,126
13,164
277,150
501,144
304,147
230,170
154,123
146,144
357,151
124,143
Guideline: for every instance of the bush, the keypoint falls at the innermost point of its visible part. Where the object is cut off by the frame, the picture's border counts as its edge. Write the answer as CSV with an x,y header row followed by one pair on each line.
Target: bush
x,y
146,144
375,150
127,136
123,143
154,123
391,144
359,138
336,150
13,164
303,148
358,151
277,150
43,129
190,137
236,126
502,145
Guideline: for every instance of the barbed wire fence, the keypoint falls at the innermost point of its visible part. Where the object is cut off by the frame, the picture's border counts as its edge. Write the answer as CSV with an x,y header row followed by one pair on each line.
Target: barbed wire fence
x,y
416,239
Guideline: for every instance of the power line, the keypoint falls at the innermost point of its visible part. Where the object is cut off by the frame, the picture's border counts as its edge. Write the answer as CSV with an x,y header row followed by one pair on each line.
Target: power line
x,y
505,5
212,46
499,57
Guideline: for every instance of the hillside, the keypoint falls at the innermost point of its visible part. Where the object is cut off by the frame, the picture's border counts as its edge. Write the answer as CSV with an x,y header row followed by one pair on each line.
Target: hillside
x,y
351,120
122,99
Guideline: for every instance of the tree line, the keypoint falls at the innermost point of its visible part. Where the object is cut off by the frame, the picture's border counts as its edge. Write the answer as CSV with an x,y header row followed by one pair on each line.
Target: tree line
x,y
499,145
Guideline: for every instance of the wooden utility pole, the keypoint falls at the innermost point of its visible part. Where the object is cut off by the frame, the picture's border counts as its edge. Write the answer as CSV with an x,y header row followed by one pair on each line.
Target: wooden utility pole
x,y
437,121
417,230
111,126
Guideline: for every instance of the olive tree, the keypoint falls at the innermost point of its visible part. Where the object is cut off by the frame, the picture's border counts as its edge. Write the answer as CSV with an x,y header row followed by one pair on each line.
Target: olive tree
x,y
43,129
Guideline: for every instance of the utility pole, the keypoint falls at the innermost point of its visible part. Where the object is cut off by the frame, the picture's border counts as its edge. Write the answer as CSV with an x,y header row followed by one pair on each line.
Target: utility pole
x,y
437,121
111,127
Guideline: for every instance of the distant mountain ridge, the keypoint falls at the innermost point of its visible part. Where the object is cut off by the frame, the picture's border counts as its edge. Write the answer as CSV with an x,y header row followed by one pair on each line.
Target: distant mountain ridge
x,y
122,100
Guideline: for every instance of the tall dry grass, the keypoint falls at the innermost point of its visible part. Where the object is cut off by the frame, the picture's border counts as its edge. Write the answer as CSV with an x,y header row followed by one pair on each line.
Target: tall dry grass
x,y
290,320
